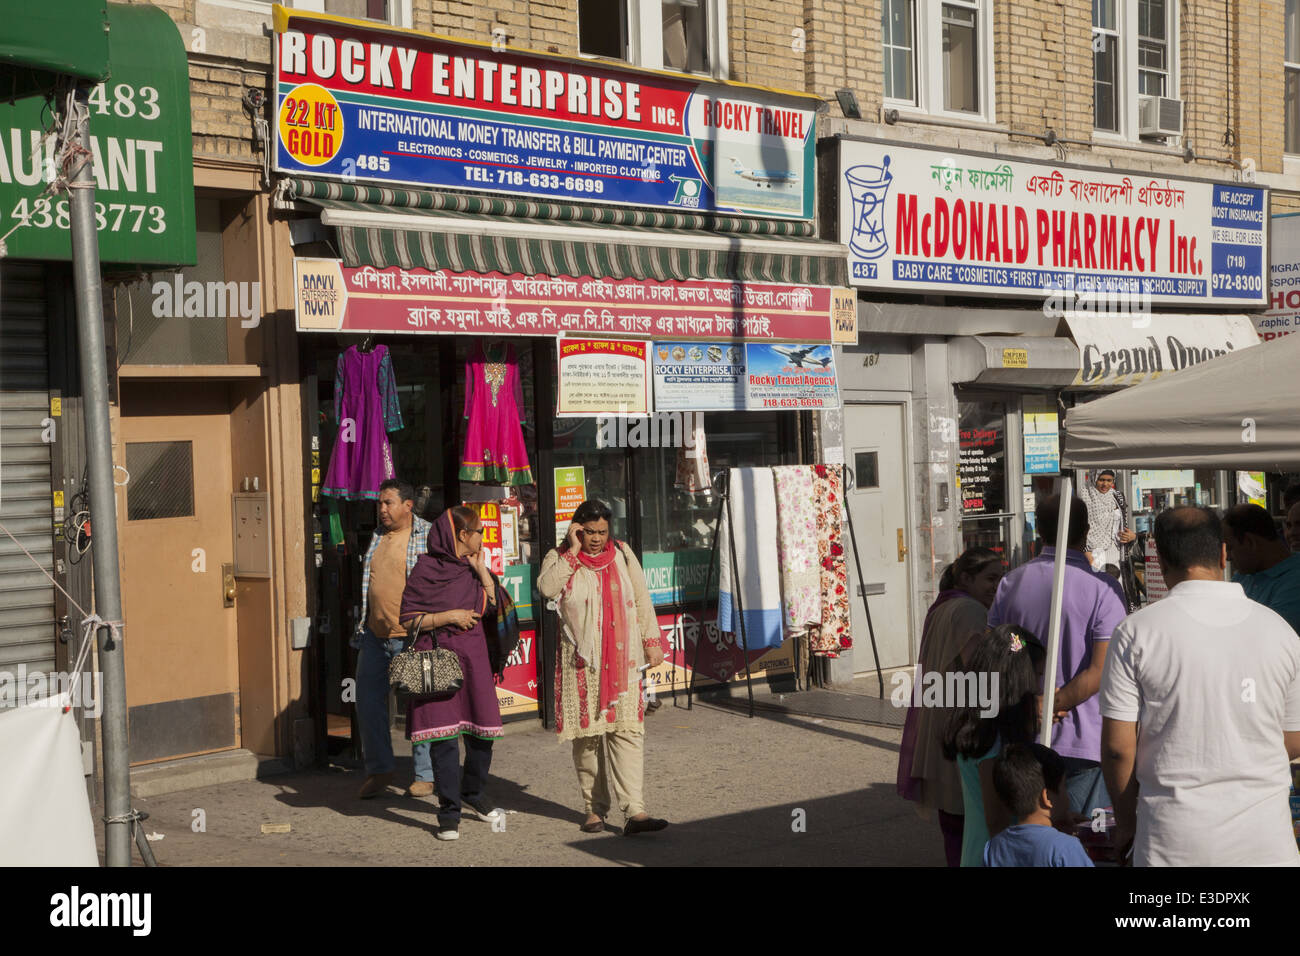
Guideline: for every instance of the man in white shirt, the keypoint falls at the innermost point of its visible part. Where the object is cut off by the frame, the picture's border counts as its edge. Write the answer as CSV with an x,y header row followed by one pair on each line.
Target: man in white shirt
x,y
1213,679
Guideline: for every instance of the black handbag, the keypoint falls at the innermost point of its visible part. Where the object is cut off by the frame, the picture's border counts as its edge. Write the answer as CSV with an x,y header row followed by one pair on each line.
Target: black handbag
x,y
431,673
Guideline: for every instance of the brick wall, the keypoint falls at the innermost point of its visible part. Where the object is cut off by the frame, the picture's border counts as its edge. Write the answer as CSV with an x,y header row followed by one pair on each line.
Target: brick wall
x,y
1257,80
1042,58
843,51
761,43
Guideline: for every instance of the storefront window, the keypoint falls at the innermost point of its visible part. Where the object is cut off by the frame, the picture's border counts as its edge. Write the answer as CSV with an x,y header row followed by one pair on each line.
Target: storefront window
x,y
604,470
982,474
678,523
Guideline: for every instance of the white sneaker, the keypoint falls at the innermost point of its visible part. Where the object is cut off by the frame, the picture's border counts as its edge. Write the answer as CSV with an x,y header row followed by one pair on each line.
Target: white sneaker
x,y
447,834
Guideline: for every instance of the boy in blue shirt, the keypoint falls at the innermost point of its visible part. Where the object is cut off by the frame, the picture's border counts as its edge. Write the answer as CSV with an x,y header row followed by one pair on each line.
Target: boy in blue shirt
x,y
1030,780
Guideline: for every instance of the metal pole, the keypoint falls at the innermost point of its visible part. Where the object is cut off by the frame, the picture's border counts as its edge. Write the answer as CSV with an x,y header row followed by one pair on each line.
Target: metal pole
x,y
1054,619
99,458
736,599
721,485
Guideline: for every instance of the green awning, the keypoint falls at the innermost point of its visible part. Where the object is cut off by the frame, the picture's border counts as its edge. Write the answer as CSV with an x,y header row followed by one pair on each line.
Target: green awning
x,y
42,43
382,227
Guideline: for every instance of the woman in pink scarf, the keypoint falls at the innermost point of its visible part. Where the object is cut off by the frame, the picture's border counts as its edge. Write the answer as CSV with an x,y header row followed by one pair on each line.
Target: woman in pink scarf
x,y
608,632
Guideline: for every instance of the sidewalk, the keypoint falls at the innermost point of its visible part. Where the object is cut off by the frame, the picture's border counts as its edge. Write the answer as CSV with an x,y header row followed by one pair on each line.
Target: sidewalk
x,y
728,784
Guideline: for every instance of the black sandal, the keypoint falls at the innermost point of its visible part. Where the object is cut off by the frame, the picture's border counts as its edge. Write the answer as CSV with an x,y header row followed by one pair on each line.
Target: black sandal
x,y
648,825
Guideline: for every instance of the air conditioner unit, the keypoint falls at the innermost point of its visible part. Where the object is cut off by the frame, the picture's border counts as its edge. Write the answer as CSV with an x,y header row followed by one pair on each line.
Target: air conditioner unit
x,y
1160,116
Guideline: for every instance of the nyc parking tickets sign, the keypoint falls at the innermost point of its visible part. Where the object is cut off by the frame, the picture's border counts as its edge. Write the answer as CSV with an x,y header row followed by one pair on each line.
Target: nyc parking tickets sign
x,y
391,106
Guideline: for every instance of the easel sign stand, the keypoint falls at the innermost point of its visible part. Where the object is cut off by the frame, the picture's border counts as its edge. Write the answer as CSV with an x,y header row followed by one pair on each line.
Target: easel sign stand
x,y
721,483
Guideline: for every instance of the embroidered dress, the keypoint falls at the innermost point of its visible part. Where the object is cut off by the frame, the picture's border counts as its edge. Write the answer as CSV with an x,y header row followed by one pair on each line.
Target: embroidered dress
x,y
578,666
834,634
365,409
796,544
494,402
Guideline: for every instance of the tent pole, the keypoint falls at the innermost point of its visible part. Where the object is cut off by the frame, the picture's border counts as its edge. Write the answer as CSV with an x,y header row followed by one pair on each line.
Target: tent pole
x,y
1058,595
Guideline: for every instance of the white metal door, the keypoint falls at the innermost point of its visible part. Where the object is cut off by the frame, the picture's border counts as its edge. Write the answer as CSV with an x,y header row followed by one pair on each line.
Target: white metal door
x,y
876,455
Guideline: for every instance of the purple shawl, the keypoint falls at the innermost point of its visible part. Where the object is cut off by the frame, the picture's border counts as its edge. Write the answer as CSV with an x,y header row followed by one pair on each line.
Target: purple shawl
x,y
440,581
909,786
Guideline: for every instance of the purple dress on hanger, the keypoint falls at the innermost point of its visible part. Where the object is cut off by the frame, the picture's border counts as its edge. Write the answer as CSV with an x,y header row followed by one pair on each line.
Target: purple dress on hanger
x,y
494,401
366,409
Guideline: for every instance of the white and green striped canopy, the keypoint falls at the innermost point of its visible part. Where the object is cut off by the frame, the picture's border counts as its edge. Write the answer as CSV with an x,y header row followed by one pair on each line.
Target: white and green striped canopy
x,y
671,247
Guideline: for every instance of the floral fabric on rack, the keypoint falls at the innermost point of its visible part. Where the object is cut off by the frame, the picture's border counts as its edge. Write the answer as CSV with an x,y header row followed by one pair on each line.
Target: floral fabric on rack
x,y
834,634
797,551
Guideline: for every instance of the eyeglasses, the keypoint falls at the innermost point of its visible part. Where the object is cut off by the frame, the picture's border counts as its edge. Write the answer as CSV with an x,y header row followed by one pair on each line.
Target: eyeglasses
x,y
473,530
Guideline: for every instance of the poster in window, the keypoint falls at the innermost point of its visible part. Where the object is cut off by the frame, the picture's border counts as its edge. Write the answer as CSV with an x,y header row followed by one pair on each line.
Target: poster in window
x,y
982,469
603,377
1041,435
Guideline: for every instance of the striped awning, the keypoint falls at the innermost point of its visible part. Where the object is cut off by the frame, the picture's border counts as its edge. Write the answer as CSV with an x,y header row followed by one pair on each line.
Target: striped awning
x,y
379,227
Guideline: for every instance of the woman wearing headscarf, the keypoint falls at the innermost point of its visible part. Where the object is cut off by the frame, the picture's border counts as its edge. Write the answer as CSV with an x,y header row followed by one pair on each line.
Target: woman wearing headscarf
x,y
959,612
609,631
448,592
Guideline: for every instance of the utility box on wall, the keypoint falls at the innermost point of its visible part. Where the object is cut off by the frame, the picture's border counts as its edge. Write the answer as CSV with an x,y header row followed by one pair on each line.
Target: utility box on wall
x,y
252,535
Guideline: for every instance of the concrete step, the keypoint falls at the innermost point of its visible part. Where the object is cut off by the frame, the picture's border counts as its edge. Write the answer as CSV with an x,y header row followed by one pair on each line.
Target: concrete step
x,y
189,772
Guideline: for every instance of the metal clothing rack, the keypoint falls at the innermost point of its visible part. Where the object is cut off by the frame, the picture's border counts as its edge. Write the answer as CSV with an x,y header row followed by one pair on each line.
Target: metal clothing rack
x,y
720,483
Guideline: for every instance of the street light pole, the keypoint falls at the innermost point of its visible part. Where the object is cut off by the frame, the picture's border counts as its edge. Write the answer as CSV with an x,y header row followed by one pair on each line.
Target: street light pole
x,y
99,457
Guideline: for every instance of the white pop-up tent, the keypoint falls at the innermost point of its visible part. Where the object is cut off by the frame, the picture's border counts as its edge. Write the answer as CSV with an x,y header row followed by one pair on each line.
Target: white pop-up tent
x,y
1240,411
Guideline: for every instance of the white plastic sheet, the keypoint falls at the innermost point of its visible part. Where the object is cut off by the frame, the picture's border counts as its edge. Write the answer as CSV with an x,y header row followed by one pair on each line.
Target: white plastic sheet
x,y
44,811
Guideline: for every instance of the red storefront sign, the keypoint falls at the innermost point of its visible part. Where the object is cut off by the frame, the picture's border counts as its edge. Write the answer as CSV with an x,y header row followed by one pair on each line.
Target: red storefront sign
x,y
332,297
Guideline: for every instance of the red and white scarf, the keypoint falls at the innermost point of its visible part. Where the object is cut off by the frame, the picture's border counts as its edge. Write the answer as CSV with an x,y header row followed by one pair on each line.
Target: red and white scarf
x,y
614,632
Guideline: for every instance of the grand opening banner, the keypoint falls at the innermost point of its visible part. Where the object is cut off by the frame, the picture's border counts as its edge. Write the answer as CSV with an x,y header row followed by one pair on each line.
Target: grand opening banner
x,y
936,221
397,106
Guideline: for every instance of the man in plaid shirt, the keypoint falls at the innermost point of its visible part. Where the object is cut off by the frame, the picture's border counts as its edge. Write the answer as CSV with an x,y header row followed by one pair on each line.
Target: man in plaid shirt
x,y
399,540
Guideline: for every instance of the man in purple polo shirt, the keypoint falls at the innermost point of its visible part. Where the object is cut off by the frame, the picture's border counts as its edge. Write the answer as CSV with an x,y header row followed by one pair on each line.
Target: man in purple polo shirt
x,y
1092,607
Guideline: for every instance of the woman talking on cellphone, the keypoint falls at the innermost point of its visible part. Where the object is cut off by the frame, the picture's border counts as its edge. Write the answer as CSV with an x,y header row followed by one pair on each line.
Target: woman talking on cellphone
x,y
609,634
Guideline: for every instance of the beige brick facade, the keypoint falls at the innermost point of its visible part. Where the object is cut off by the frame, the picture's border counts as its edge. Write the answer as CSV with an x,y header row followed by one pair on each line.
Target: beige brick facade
x,y
1230,64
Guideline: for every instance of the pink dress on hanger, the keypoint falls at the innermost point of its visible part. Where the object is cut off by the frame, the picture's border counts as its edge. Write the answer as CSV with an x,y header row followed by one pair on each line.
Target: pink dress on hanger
x,y
494,403
365,409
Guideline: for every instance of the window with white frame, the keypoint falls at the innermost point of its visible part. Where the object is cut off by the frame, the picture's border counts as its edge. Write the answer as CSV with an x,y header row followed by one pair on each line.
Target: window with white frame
x,y
688,36
1134,56
898,34
938,55
1292,58
393,12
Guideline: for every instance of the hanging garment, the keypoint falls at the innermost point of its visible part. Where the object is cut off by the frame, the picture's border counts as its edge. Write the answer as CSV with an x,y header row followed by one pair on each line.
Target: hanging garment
x,y
758,580
796,546
834,634
693,461
494,408
366,409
